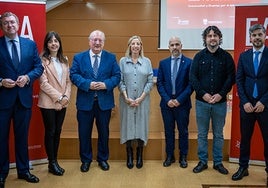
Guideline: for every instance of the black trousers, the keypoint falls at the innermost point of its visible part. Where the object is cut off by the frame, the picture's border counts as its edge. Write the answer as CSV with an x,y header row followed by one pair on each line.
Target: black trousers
x,y
247,125
53,121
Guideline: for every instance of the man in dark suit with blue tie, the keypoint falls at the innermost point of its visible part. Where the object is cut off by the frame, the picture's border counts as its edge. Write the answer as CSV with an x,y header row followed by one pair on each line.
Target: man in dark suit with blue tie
x,y
20,65
175,91
95,73
252,87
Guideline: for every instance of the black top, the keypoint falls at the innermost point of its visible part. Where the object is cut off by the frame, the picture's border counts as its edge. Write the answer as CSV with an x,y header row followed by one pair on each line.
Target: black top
x,y
212,73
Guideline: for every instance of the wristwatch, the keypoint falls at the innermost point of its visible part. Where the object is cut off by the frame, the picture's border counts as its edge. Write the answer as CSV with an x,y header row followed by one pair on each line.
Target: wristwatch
x,y
1,79
60,99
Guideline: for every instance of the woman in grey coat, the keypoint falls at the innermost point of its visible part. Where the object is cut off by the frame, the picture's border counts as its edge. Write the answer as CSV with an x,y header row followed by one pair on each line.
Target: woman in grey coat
x,y
135,86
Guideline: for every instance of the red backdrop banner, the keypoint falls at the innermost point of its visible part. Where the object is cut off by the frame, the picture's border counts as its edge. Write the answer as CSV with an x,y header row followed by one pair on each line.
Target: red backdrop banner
x,y
32,18
245,16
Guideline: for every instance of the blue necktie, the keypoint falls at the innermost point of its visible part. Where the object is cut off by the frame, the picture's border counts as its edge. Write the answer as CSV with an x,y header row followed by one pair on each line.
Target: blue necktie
x,y
95,65
15,56
256,66
174,75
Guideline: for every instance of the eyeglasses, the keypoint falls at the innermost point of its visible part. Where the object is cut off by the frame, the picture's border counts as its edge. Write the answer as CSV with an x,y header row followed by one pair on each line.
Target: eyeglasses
x,y
97,40
12,22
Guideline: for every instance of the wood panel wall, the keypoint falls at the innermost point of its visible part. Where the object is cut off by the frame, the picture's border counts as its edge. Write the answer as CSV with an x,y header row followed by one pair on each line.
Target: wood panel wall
x,y
119,20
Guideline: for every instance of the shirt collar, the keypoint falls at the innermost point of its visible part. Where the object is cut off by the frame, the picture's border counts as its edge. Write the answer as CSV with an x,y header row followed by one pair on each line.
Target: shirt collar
x,y
129,60
260,50
177,59
92,54
16,39
172,57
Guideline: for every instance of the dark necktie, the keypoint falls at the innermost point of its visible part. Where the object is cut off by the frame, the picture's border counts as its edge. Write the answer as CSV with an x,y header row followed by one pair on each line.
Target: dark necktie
x,y
256,66
95,65
15,56
174,75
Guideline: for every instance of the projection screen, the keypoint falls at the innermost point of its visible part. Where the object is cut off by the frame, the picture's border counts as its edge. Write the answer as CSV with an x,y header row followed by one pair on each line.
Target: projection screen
x,y
188,18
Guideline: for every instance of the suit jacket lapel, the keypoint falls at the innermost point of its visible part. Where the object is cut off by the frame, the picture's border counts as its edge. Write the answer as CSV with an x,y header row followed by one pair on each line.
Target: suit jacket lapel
x,y
101,64
180,67
169,69
249,66
23,48
5,52
52,68
88,64
264,59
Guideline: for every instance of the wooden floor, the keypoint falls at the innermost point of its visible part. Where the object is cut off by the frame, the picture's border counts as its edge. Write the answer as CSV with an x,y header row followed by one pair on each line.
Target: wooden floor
x,y
152,175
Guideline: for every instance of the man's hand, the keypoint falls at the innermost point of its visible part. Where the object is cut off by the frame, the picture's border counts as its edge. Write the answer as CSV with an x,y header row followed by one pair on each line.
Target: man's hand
x,y
215,98
248,107
8,83
97,85
259,107
22,80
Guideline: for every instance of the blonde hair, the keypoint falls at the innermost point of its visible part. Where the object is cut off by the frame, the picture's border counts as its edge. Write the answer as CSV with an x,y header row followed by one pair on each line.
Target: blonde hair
x,y
128,51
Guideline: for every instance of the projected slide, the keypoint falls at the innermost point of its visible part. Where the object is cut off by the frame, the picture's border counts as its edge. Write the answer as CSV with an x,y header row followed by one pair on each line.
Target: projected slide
x,y
188,18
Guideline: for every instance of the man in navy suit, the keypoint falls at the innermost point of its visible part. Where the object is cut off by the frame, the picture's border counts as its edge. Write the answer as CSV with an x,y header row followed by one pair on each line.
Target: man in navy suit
x,y
175,91
252,89
18,70
95,73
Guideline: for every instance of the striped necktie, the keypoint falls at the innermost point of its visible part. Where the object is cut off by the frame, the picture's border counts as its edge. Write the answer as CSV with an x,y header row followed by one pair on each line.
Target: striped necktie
x,y
95,65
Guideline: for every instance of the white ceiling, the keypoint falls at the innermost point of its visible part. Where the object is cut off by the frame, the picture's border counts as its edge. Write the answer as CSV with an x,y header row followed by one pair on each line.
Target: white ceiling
x,y
51,4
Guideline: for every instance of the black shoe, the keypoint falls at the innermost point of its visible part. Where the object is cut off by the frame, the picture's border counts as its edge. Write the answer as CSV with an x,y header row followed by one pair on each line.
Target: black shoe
x,y
267,180
2,183
61,169
84,167
221,169
183,161
139,163
169,160
200,167
104,165
130,164
29,177
241,172
53,168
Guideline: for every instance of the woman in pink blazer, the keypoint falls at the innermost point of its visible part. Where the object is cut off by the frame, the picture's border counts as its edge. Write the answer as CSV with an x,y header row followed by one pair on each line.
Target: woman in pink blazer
x,y
55,91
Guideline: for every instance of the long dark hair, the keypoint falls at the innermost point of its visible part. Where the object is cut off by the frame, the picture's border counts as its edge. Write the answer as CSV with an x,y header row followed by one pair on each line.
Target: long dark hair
x,y
46,52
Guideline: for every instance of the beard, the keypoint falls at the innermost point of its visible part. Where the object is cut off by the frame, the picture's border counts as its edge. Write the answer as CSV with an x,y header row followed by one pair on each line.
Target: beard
x,y
257,43
213,44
